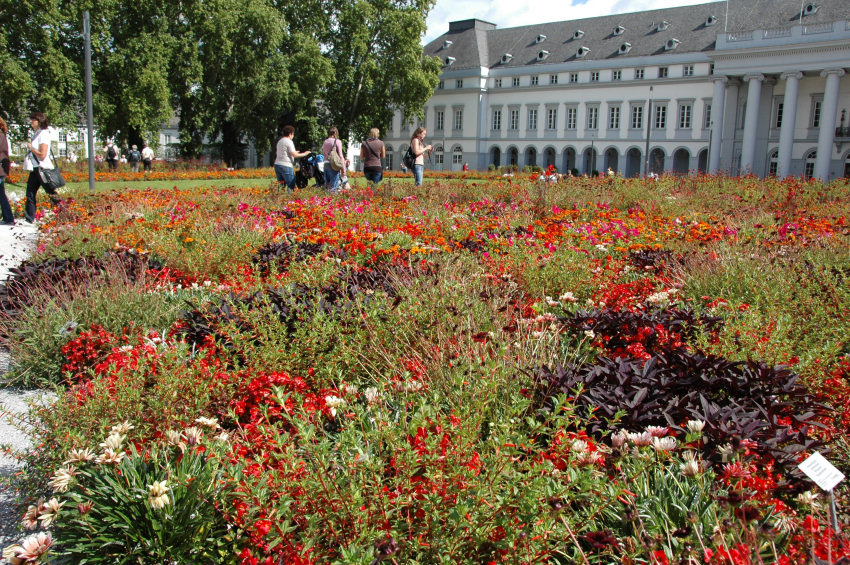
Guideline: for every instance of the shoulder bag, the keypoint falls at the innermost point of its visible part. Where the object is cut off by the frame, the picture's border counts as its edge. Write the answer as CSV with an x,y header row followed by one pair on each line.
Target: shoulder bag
x,y
51,179
335,159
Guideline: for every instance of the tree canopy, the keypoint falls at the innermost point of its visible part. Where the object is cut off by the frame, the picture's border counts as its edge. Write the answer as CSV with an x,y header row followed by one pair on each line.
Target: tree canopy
x,y
231,71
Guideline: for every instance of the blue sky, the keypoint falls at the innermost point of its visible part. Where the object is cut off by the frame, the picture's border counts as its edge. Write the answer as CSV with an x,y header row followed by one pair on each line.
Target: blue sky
x,y
512,13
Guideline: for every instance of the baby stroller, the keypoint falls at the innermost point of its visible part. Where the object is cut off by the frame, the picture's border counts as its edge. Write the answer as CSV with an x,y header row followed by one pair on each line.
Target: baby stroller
x,y
309,168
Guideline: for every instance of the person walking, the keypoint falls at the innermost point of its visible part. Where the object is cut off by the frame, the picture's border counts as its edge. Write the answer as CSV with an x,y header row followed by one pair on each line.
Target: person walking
x,y
332,144
5,166
284,164
134,157
417,144
372,153
111,155
37,157
147,157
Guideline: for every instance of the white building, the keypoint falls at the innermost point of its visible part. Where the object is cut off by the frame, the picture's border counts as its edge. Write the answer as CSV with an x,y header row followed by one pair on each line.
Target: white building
x,y
740,86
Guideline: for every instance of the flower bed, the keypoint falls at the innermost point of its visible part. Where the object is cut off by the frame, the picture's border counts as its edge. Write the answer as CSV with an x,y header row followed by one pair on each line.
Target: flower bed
x,y
507,371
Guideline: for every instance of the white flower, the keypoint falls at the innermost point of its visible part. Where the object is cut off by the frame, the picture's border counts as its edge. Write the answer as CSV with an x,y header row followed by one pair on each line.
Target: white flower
x,y
695,426
193,435
62,478
110,456
413,386
657,431
122,428
589,334
80,456
334,402
727,452
579,446
618,439
113,441
32,548
350,389
207,422
690,468
807,498
49,512
568,297
223,437
158,494
372,395
663,443
640,439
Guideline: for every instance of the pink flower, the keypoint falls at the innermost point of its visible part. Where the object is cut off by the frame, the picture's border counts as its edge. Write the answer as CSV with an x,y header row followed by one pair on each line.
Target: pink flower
x,y
34,546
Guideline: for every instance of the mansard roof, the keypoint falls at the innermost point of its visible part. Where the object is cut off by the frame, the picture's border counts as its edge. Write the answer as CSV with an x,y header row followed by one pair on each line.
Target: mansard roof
x,y
475,43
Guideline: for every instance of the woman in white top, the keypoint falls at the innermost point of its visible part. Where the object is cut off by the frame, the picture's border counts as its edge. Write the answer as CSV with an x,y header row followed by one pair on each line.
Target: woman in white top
x,y
38,157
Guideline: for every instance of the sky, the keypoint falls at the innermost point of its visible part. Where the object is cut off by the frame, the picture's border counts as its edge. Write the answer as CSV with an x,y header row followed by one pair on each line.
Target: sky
x,y
513,13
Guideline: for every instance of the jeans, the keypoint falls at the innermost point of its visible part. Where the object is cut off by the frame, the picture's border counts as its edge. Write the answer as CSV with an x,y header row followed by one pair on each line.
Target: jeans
x,y
331,179
286,175
418,170
4,203
373,174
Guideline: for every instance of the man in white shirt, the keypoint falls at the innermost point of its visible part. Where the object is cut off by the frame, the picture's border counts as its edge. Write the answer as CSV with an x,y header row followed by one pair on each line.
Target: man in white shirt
x,y
147,157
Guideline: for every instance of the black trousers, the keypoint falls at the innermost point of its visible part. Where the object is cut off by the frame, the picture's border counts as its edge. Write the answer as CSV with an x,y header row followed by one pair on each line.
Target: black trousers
x,y
33,184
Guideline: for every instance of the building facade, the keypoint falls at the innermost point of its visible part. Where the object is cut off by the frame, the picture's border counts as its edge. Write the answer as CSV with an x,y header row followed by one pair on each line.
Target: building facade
x,y
745,86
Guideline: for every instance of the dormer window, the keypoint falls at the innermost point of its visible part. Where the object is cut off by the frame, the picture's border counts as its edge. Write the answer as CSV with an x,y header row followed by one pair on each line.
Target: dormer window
x,y
446,44
671,44
506,58
624,48
710,21
619,30
578,34
663,25
540,38
448,61
582,51
810,9
541,55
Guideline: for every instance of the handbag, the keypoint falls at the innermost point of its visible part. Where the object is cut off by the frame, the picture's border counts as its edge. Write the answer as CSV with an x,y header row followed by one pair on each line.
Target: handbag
x,y
335,159
51,179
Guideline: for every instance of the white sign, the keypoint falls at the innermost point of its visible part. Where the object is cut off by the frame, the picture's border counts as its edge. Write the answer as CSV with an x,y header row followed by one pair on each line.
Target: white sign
x,y
821,471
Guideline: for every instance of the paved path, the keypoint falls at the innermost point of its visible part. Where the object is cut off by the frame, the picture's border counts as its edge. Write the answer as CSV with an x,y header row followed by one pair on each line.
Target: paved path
x,y
16,242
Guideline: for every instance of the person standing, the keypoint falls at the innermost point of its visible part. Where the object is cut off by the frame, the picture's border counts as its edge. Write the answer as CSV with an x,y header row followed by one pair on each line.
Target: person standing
x,y
147,157
5,166
133,157
332,143
111,155
372,152
417,144
38,157
284,164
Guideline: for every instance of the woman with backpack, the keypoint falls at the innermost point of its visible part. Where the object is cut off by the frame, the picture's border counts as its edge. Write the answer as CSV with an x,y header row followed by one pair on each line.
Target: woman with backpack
x,y
372,152
417,145
334,159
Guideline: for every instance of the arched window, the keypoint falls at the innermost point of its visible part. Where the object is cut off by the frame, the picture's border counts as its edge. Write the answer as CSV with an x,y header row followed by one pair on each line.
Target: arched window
x,y
457,156
773,163
810,163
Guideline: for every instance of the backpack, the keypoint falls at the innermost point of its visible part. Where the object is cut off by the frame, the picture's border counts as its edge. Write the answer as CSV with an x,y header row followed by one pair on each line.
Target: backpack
x,y
408,159
111,153
134,156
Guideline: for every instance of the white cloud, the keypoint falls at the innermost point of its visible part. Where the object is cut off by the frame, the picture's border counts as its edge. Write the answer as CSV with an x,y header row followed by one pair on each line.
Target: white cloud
x,y
513,13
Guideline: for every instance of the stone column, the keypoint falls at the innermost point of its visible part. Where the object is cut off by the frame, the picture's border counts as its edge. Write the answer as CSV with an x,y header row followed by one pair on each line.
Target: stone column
x,y
751,122
789,119
828,112
717,102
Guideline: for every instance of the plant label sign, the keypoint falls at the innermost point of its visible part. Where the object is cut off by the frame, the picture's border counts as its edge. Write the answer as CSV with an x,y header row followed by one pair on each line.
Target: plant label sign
x,y
821,471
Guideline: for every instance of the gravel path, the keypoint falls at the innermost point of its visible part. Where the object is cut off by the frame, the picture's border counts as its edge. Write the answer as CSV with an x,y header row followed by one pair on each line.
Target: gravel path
x,y
16,242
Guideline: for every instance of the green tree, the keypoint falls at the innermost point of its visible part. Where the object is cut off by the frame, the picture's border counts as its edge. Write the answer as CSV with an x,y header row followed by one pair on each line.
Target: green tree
x,y
378,63
37,72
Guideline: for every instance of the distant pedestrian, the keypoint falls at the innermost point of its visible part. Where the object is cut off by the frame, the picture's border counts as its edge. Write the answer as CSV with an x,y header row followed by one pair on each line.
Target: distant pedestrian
x,y
134,157
147,157
110,153
417,144
38,157
284,164
372,153
466,166
5,167
332,144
